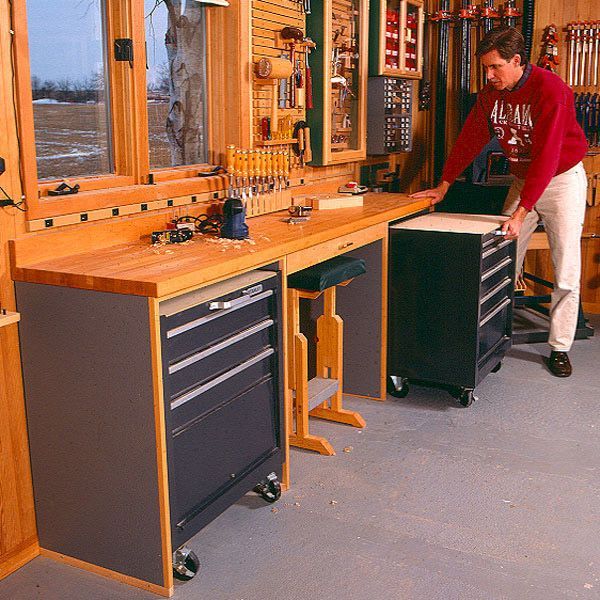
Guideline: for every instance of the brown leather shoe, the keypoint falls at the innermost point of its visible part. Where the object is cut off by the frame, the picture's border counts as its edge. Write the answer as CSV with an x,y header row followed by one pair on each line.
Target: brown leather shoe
x,y
559,364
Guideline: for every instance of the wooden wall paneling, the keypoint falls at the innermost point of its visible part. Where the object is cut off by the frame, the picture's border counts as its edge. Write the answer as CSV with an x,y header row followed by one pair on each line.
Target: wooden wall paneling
x,y
561,13
18,536
229,82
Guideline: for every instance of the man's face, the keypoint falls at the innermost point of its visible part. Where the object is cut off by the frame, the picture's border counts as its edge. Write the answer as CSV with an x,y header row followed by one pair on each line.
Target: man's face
x,y
502,74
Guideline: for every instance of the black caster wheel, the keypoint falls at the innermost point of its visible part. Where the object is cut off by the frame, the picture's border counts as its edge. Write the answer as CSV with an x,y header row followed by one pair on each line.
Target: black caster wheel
x,y
467,397
497,367
185,564
270,488
398,386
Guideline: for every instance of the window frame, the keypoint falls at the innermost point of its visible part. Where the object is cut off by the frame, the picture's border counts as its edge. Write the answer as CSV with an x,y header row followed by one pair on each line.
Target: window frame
x,y
129,183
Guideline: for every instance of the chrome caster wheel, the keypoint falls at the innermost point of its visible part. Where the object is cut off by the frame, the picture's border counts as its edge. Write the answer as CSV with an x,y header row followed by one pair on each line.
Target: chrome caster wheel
x,y
398,386
185,564
467,397
270,488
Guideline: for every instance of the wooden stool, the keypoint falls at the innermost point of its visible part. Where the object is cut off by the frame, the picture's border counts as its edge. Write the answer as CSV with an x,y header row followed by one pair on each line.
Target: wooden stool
x,y
322,396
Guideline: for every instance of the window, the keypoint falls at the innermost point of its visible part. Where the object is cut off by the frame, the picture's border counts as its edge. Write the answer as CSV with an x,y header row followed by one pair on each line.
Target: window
x,y
71,112
114,126
176,83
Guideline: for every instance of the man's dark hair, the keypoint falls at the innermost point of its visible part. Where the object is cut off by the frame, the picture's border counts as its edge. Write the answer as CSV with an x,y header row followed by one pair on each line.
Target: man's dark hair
x,y
507,41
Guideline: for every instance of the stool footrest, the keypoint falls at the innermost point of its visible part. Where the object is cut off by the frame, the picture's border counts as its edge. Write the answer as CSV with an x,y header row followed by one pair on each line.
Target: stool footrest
x,y
321,389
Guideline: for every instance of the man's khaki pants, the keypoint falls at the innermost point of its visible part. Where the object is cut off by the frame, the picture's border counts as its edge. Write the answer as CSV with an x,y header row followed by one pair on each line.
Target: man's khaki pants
x,y
562,210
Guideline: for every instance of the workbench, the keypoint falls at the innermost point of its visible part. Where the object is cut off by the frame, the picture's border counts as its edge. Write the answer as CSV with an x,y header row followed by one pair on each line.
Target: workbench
x,y
111,269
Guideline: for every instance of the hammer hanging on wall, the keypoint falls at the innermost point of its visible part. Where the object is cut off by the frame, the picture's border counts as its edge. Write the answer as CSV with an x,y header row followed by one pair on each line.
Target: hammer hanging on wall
x,y
292,37
274,69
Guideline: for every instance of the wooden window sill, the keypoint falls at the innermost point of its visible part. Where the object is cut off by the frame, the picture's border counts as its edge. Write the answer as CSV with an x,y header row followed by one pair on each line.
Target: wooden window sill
x,y
53,206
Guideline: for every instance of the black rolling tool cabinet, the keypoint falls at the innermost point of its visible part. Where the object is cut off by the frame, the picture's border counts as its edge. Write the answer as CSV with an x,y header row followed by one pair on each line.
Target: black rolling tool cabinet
x,y
223,397
451,287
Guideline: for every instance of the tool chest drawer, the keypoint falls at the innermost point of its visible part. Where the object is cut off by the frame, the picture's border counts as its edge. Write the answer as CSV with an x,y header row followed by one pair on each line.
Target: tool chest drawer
x,y
493,276
494,326
211,451
205,396
495,254
205,364
496,294
222,380
451,282
207,323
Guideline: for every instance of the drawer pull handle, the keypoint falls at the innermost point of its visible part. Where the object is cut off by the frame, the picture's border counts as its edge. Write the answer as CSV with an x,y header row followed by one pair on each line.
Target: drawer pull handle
x,y
221,378
496,248
499,266
494,312
495,290
244,301
345,245
234,339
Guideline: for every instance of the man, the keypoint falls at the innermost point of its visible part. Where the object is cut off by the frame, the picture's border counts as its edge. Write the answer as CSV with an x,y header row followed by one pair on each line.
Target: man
x,y
532,113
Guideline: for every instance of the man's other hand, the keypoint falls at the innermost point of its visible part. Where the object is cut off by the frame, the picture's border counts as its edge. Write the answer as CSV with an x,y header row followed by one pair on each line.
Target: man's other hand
x,y
512,227
436,194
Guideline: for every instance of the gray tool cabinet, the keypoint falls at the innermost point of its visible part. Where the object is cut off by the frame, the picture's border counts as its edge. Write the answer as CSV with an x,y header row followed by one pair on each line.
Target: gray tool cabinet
x,y
114,382
451,286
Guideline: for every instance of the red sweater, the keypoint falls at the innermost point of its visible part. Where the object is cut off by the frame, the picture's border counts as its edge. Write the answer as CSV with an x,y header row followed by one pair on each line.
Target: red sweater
x,y
536,126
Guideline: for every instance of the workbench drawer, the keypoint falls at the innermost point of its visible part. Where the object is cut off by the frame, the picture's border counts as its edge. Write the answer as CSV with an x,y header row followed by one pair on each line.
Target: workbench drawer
x,y
210,452
206,396
214,360
495,254
302,259
198,328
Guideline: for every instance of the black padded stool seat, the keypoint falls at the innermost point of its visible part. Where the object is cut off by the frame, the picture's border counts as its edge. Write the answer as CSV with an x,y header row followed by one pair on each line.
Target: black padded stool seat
x,y
324,275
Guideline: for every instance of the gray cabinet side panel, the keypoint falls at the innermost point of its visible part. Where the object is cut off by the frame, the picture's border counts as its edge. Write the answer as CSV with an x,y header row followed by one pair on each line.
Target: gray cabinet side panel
x,y
359,304
88,385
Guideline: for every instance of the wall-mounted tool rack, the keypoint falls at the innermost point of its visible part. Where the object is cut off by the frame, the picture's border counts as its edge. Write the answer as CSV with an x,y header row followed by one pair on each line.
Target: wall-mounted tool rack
x,y
396,38
339,67
268,20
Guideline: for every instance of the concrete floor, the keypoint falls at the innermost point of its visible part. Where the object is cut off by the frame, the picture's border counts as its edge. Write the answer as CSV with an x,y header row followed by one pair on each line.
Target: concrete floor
x,y
431,501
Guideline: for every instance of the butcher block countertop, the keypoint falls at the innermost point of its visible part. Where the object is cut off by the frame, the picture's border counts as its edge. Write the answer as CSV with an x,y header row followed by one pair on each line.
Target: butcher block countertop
x,y
118,257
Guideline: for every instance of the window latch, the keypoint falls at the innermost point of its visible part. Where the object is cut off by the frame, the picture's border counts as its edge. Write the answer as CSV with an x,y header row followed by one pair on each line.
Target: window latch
x,y
124,49
63,189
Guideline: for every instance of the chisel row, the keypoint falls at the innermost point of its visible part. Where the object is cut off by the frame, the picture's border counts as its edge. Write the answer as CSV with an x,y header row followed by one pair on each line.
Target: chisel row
x,y
583,46
256,176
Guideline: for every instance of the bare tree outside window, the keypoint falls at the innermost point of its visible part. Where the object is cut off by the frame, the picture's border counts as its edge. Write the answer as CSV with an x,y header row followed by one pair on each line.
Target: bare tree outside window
x,y
176,59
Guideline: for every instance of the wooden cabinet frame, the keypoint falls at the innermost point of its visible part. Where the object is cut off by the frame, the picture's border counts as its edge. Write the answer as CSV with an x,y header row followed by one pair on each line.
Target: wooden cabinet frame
x,y
320,117
377,64
228,54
